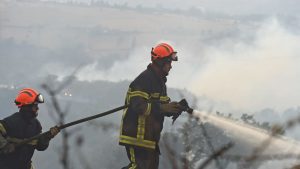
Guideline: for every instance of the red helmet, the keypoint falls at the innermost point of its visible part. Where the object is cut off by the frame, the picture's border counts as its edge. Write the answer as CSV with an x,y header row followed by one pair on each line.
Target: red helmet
x,y
164,51
28,96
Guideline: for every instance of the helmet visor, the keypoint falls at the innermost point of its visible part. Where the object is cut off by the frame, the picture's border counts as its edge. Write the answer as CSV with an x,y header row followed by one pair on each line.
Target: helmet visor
x,y
39,98
174,56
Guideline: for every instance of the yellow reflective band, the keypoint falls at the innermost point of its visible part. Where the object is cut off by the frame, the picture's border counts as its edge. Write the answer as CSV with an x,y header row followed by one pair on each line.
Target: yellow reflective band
x,y
155,95
141,123
164,98
141,127
127,98
131,93
138,93
2,129
133,166
132,158
148,110
137,142
121,126
16,140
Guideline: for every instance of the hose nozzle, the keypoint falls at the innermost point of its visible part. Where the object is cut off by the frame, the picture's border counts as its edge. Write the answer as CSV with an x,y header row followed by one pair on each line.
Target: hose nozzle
x,y
185,106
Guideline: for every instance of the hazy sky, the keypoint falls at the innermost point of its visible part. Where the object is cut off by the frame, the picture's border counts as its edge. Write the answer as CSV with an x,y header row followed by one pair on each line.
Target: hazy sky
x,y
249,76
228,6
247,64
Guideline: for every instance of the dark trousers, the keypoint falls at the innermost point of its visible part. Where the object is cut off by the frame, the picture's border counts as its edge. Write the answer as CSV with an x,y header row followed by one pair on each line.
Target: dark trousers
x,y
141,158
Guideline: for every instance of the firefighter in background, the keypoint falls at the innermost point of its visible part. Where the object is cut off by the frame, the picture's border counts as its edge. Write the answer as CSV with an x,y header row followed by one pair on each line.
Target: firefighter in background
x,y
142,121
22,125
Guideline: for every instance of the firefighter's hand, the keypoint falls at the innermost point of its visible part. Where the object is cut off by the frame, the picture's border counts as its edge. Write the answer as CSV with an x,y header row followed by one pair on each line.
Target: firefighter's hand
x,y
8,148
54,131
173,108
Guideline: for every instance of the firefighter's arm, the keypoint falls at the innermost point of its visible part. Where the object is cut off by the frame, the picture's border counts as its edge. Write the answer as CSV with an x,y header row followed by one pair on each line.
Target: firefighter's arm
x,y
139,104
138,96
43,141
5,146
3,141
169,109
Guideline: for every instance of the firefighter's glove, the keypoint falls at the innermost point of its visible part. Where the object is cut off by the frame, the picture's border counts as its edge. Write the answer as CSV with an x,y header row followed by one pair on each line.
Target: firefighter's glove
x,y
54,131
50,134
171,109
8,148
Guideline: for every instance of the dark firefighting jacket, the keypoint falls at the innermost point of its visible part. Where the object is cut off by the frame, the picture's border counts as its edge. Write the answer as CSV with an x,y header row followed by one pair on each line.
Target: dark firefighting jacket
x,y
142,126
14,129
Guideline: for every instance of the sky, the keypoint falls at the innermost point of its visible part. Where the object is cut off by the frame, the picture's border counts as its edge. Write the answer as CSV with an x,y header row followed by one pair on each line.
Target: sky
x,y
230,7
250,76
241,63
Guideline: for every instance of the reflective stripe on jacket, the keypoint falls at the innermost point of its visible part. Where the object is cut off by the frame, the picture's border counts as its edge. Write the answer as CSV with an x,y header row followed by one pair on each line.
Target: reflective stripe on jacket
x,y
14,129
143,128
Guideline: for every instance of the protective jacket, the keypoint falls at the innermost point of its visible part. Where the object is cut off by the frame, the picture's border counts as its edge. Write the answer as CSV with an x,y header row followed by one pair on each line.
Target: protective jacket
x,y
15,128
142,121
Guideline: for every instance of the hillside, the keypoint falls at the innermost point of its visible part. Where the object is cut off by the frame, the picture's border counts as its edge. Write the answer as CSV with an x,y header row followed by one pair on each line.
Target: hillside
x,y
51,25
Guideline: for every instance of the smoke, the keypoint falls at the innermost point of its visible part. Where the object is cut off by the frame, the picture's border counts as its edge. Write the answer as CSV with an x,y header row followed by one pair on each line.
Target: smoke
x,y
244,75
264,73
248,74
123,69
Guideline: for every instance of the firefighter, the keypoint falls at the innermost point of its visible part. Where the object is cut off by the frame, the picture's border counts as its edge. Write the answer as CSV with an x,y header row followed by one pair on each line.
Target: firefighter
x,y
19,126
142,121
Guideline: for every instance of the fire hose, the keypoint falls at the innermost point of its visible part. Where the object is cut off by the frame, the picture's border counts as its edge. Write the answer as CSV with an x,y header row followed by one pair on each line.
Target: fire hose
x,y
183,103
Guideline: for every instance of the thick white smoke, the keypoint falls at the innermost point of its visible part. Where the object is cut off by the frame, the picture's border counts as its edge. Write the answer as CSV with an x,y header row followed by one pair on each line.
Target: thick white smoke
x,y
253,76
125,69
245,75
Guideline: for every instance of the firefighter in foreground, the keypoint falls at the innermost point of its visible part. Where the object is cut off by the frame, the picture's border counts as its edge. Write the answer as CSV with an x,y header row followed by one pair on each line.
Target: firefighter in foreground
x,y
19,126
142,121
